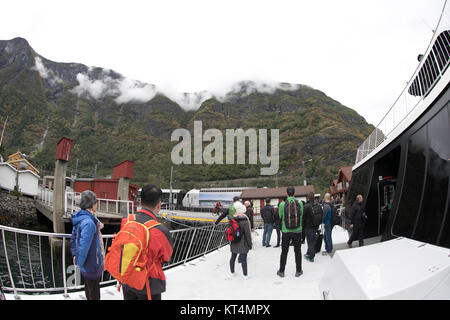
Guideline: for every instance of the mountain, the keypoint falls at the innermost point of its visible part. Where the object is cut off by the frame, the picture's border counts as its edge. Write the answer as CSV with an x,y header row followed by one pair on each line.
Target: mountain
x,y
113,118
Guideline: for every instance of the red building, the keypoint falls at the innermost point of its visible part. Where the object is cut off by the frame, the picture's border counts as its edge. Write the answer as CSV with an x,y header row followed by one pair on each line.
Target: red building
x,y
107,188
258,196
340,185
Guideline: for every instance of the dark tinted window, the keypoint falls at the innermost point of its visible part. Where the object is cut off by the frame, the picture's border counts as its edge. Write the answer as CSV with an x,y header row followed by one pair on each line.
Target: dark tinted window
x,y
359,184
444,239
412,185
436,185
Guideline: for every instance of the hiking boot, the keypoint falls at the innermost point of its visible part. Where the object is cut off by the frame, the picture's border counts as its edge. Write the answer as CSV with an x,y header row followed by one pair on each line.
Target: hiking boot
x,y
299,273
281,274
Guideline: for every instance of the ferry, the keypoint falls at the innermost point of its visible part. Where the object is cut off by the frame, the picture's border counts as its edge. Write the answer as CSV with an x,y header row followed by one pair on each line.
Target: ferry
x,y
402,169
403,172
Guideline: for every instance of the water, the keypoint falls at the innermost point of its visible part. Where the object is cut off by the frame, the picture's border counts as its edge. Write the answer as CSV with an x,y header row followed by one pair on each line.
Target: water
x,y
34,266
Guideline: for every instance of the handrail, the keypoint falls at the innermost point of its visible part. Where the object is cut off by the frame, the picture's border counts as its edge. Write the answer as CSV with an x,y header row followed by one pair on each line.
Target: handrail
x,y
32,266
72,200
413,94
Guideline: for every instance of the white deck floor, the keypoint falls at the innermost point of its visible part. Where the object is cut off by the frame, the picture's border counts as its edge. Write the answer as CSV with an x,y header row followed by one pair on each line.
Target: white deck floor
x,y
209,278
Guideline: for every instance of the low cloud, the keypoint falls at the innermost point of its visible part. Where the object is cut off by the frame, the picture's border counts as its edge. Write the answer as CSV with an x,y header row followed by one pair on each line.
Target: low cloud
x,y
125,90
44,72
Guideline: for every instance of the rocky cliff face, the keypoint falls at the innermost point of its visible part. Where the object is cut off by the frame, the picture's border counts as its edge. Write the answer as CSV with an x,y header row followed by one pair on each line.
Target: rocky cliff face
x,y
18,212
112,118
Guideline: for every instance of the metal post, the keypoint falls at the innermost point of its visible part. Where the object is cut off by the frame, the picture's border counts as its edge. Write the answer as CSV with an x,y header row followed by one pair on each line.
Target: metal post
x,y
220,244
190,245
7,264
170,195
64,266
212,231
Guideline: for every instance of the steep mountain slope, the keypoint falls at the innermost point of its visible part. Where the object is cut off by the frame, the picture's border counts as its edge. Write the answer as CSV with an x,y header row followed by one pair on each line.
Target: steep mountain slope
x,y
112,118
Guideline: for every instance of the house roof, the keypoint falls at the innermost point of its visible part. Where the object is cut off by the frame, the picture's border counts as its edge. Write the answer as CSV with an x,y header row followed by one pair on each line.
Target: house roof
x,y
261,193
20,163
332,189
345,172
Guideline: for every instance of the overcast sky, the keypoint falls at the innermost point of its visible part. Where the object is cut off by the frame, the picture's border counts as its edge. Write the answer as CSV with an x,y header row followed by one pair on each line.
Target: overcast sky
x,y
359,52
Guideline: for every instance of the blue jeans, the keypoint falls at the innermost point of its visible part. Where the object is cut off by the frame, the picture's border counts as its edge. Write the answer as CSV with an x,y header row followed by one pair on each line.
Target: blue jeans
x,y
327,237
268,228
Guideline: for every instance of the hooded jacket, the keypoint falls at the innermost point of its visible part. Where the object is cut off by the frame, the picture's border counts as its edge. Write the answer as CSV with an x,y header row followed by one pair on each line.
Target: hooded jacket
x,y
85,244
245,243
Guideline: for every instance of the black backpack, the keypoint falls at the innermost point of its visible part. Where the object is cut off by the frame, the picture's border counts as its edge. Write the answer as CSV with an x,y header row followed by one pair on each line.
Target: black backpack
x,y
335,218
317,214
292,214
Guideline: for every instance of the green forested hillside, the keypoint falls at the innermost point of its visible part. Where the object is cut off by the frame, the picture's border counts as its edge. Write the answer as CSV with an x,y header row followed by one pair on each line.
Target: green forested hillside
x,y
43,107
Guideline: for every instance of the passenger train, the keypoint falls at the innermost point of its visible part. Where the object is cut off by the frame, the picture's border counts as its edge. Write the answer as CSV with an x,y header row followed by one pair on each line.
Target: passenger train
x,y
208,197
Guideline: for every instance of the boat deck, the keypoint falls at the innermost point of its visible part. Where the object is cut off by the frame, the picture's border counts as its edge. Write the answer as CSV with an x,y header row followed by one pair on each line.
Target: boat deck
x,y
209,278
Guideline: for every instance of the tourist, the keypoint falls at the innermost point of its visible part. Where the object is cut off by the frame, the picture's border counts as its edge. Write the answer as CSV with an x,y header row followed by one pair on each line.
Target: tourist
x,y
358,222
86,245
229,213
243,245
160,246
249,212
312,218
277,222
328,226
267,214
290,213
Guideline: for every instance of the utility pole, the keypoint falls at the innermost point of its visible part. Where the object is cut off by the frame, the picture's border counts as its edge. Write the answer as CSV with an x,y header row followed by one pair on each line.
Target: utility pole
x,y
303,170
3,131
170,195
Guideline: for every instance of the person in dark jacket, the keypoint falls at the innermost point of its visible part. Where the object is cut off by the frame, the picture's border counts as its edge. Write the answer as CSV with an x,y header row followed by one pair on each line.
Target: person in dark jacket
x,y
160,246
85,245
277,222
328,226
309,227
249,212
358,222
267,214
242,246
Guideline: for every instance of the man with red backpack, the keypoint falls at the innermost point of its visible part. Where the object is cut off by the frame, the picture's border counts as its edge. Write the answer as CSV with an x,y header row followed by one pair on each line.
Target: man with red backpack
x,y
159,250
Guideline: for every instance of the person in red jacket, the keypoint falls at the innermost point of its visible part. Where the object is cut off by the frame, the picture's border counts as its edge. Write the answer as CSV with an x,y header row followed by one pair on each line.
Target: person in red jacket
x,y
160,246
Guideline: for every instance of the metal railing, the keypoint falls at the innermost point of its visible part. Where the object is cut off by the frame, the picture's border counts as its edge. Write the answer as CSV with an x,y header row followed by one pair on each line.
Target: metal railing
x,y
33,262
428,73
112,206
72,202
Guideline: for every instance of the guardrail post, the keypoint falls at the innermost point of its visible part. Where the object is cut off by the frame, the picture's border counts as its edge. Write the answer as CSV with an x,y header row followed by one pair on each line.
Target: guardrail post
x,y
190,245
210,236
64,267
9,268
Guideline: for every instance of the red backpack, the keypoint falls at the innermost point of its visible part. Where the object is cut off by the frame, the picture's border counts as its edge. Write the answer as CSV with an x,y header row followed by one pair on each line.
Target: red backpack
x,y
232,231
126,259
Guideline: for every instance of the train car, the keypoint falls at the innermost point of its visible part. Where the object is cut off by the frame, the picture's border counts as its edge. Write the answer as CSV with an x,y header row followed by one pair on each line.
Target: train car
x,y
208,197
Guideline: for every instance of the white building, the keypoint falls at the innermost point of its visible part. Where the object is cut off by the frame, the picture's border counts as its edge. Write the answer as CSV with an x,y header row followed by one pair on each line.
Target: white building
x,y
27,180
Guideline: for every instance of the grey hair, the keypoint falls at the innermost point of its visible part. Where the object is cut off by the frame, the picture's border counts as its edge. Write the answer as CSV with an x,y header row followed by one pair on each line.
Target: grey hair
x,y
88,199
